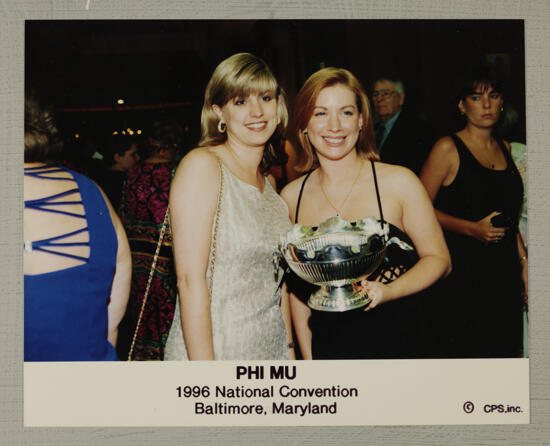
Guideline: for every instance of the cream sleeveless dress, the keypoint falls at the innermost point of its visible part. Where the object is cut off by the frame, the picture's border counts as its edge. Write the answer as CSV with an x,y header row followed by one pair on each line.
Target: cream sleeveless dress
x,y
247,322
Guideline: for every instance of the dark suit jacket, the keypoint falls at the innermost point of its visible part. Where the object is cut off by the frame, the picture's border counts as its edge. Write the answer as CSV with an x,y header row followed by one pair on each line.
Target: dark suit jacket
x,y
408,143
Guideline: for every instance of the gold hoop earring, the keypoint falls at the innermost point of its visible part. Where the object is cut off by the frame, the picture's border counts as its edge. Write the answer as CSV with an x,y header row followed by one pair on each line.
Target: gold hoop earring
x,y
222,126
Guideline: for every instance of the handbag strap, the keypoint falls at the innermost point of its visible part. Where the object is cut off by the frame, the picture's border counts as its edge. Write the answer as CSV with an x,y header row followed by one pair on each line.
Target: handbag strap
x,y
216,224
159,244
149,280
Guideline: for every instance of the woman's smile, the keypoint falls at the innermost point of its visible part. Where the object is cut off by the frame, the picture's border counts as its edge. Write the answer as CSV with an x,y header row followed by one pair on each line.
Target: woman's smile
x,y
334,141
334,126
259,126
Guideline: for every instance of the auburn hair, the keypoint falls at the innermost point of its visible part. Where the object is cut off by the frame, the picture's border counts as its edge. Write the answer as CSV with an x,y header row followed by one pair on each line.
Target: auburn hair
x,y
305,103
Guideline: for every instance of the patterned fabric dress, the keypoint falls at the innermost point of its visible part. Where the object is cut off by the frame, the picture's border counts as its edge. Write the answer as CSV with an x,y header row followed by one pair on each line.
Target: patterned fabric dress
x,y
144,203
519,154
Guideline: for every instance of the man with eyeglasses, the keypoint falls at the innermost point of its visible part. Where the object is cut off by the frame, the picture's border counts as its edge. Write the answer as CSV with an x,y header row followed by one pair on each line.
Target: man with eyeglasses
x,y
401,137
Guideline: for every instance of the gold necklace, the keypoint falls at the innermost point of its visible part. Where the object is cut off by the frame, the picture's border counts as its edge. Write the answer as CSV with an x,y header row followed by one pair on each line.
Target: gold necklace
x,y
347,195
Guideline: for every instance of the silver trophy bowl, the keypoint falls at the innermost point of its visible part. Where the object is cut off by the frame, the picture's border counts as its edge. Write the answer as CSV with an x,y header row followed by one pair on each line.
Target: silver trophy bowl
x,y
337,255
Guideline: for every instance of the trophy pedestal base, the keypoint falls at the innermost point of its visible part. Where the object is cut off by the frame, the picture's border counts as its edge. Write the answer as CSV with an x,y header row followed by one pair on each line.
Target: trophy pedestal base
x,y
338,298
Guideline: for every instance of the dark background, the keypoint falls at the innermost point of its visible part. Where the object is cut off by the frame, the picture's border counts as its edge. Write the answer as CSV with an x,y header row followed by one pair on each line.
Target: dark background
x,y
160,68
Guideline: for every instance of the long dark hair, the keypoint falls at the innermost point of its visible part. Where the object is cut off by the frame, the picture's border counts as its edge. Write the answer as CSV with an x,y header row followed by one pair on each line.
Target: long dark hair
x,y
479,78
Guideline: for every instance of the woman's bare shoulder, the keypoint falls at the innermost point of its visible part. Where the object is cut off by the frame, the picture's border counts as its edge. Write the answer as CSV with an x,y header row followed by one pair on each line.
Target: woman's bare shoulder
x,y
291,191
392,172
443,156
201,155
198,162
199,171
398,178
444,146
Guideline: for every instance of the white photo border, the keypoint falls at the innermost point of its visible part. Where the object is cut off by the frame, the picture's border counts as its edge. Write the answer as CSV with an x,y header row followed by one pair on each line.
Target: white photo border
x,y
536,14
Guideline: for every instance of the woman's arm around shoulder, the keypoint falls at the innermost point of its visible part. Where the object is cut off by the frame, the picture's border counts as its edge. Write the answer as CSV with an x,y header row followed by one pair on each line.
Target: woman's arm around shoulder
x,y
193,202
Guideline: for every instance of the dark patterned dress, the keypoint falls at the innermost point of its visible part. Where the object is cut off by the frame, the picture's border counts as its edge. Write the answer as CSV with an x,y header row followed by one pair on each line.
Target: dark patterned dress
x,y
144,203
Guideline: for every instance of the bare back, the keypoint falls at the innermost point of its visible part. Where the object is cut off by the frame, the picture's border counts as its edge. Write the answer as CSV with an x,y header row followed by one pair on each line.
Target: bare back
x,y
54,208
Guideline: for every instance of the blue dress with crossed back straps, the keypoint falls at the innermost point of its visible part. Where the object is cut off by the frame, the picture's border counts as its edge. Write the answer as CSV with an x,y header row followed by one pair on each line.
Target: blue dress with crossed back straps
x,y
66,310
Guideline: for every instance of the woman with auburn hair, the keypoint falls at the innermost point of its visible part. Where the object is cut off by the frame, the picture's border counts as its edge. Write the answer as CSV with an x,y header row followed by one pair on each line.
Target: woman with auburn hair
x,y
306,103
477,192
226,219
335,131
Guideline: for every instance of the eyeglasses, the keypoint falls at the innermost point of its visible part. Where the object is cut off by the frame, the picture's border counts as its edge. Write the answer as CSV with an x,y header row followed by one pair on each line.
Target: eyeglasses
x,y
382,93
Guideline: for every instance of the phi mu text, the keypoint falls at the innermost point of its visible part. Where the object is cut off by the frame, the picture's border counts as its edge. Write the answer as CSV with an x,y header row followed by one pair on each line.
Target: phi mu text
x,y
258,372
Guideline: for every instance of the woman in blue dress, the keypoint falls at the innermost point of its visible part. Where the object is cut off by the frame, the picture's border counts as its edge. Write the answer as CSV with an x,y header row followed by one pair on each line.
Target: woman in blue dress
x,y
76,258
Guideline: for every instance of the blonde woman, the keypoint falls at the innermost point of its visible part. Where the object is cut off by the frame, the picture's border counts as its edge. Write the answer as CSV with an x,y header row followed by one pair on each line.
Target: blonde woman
x,y
226,219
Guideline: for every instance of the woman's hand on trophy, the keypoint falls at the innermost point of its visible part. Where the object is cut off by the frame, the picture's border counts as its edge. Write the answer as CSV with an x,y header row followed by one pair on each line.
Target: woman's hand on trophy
x,y
377,292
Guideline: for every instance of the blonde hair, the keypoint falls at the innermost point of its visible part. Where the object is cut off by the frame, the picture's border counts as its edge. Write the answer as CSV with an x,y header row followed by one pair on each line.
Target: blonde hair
x,y
305,103
239,76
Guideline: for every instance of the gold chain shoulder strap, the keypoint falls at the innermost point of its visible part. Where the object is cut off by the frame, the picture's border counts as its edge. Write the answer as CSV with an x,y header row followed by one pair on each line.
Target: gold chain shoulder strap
x,y
216,224
151,273
155,258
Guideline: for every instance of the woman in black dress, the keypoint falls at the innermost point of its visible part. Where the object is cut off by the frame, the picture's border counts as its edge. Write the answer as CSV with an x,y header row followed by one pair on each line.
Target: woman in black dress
x,y
335,131
477,192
